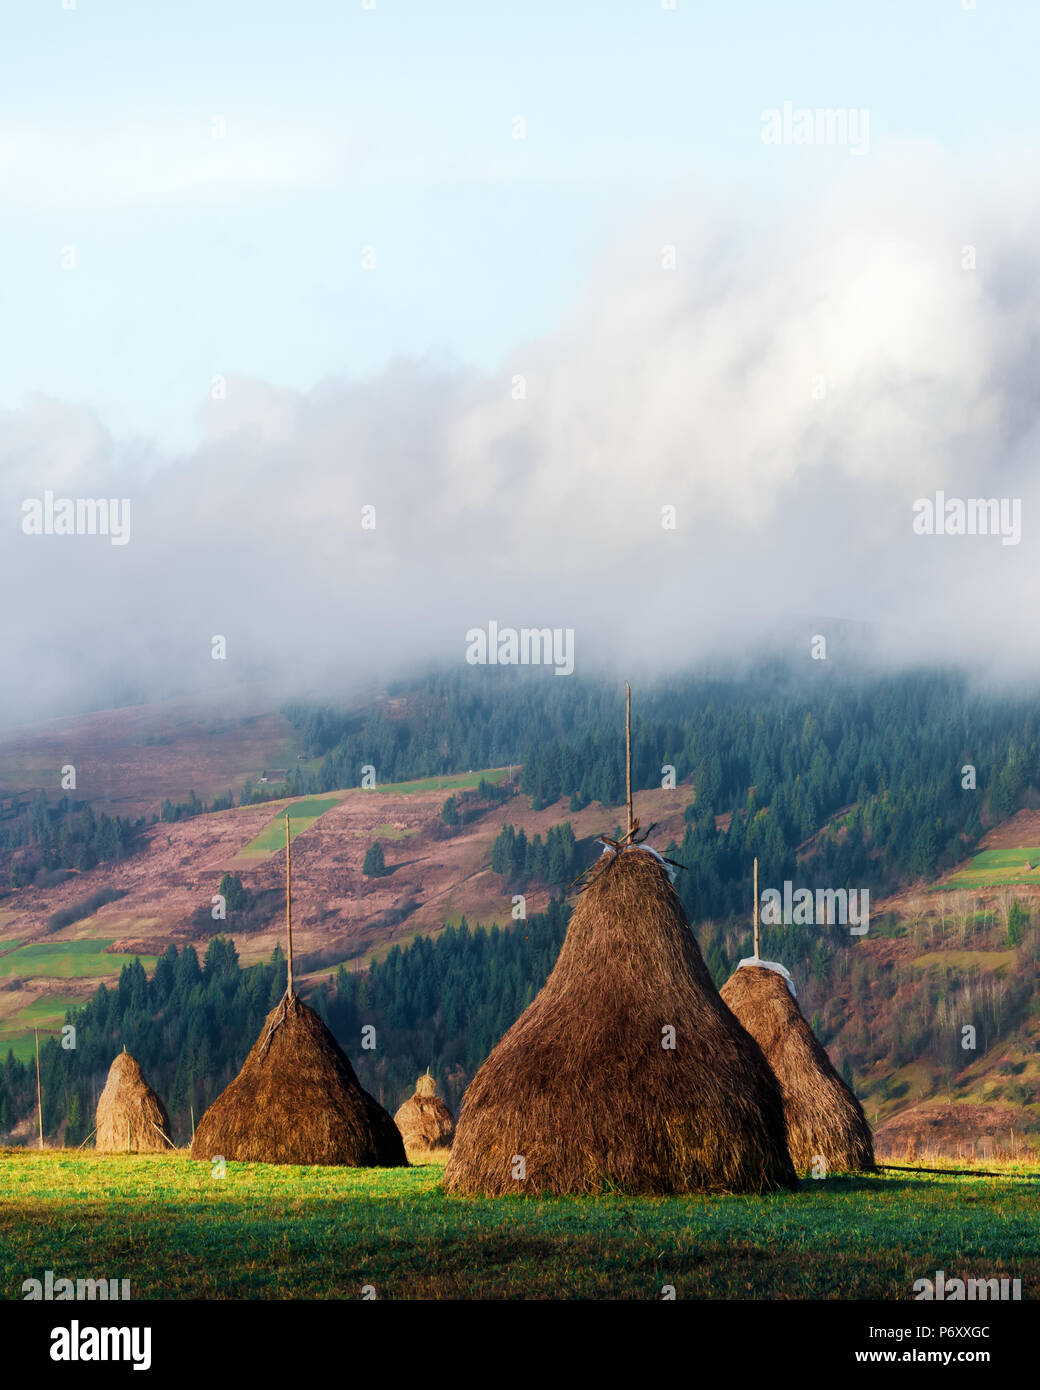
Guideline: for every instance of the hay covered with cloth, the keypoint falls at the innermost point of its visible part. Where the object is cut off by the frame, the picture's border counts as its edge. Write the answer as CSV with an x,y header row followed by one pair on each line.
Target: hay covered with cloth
x,y
581,1090
424,1120
824,1118
130,1116
297,1100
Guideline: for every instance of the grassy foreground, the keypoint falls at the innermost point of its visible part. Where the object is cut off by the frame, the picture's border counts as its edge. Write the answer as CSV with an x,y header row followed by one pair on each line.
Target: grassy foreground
x,y
176,1231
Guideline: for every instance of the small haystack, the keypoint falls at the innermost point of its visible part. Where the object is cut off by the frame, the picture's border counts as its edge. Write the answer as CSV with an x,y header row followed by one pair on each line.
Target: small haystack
x,y
298,1100
592,1090
824,1118
424,1120
130,1116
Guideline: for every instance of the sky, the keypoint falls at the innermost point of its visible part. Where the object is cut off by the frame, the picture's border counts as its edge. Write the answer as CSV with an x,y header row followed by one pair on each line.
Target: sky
x,y
260,267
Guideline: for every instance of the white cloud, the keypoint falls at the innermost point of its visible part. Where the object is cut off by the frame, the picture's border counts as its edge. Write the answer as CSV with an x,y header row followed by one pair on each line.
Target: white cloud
x,y
692,389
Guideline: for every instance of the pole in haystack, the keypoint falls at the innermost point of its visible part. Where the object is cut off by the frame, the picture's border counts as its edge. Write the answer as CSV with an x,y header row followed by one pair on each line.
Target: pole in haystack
x,y
628,754
288,907
39,1093
756,910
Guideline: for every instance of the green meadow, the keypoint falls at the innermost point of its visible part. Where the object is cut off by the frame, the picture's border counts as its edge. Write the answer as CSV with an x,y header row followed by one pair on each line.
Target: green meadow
x,y
47,1014
302,815
67,960
176,1230
995,867
386,831
454,783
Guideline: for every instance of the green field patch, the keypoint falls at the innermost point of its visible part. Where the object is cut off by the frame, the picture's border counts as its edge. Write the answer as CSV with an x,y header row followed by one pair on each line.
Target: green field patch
x,y
965,960
302,815
453,782
319,1232
47,1014
386,831
67,960
994,868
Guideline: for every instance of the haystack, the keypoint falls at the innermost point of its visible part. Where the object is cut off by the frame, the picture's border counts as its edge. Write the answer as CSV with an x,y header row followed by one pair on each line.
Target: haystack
x,y
130,1116
584,1093
298,1100
824,1118
424,1120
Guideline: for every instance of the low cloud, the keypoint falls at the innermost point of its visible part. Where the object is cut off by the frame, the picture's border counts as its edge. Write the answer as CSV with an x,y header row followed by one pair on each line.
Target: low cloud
x,y
790,390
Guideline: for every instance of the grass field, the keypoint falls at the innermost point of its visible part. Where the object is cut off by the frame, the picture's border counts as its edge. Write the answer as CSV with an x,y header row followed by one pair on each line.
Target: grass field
x,y
964,960
176,1231
386,831
47,1014
996,867
66,960
302,815
455,782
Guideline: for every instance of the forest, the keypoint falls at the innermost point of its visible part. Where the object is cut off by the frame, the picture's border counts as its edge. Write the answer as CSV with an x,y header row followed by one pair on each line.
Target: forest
x,y
42,843
875,784
851,782
441,1003
444,1002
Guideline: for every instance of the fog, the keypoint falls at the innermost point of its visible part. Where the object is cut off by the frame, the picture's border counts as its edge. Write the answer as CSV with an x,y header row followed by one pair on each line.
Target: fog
x,y
790,389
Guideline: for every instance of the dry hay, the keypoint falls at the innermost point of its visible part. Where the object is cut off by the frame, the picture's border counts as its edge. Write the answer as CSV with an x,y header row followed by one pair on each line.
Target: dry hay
x,y
298,1100
424,1120
824,1118
581,1087
130,1116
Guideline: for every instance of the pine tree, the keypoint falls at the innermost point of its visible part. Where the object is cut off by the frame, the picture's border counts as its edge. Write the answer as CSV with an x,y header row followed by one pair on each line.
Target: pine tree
x,y
375,864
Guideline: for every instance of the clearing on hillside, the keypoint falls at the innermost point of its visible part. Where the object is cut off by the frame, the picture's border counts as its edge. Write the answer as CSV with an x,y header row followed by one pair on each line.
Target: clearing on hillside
x,y
67,960
302,815
993,868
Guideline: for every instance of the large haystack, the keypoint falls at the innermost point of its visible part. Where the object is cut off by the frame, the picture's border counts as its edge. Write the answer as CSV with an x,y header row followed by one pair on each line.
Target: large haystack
x,y
130,1116
583,1092
297,1100
824,1119
424,1120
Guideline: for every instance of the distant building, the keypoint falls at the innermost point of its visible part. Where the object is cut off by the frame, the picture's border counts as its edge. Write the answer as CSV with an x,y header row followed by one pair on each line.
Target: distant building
x,y
275,774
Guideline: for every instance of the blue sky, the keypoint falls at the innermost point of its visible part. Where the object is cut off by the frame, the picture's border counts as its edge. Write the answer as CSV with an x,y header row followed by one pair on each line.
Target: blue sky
x,y
391,128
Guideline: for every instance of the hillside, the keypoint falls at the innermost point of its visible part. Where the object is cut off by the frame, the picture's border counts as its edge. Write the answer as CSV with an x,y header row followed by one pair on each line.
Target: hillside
x,y
821,781
128,760
434,876
873,1003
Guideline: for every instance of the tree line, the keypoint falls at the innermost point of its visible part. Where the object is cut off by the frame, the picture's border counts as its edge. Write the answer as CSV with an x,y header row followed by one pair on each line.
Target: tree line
x,y
555,862
42,843
441,1002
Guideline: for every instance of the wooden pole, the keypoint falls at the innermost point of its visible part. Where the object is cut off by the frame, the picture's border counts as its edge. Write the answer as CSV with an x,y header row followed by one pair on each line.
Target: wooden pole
x,y
39,1093
191,1112
288,906
628,753
756,909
